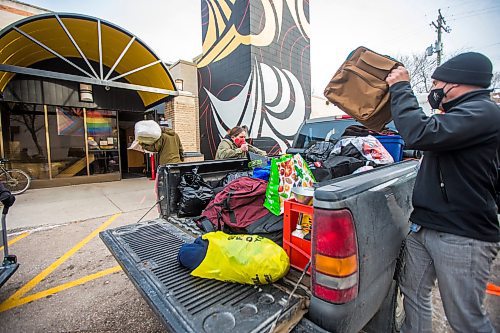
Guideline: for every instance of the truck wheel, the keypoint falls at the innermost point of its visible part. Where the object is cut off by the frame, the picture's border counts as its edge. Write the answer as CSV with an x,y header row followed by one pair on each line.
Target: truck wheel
x,y
392,307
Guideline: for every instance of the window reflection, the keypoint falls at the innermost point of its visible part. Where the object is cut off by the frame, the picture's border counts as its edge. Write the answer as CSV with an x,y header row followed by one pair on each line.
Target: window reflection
x,y
102,140
24,143
24,134
67,141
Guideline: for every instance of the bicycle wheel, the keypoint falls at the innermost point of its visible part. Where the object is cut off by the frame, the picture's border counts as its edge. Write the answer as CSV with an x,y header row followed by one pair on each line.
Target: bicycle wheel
x,y
15,180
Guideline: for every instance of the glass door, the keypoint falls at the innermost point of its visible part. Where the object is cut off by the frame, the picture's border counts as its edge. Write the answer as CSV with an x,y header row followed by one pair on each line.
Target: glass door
x,y
102,141
67,141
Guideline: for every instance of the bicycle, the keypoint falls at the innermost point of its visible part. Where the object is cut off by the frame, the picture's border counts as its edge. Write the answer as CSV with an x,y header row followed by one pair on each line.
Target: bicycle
x,y
15,180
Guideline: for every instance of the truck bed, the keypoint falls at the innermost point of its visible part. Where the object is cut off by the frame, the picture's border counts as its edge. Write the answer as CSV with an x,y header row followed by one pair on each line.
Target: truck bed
x,y
379,201
147,253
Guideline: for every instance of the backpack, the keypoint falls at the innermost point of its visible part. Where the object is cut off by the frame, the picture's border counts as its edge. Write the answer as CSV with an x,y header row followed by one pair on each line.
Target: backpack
x,y
238,205
359,89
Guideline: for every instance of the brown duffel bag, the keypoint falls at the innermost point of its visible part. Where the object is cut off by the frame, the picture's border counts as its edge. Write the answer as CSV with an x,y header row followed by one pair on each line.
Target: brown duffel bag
x,y
359,89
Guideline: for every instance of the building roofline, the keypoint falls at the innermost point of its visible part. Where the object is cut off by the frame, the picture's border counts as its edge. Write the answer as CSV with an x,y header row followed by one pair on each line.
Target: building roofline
x,y
181,61
30,5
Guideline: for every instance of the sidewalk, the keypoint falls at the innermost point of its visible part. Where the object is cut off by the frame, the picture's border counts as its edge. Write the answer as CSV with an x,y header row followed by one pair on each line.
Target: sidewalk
x,y
60,205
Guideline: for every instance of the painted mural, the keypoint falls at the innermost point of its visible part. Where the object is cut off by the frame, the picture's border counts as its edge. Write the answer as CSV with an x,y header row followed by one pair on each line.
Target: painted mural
x,y
254,71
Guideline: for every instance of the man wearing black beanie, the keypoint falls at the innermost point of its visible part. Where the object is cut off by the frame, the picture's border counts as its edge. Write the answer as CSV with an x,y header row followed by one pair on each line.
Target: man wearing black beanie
x,y
455,232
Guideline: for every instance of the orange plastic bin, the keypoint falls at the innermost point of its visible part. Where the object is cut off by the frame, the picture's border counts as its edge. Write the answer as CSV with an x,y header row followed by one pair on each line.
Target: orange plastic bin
x,y
298,249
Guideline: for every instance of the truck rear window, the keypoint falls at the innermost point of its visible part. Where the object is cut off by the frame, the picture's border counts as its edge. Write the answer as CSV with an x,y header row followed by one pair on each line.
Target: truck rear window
x,y
313,132
321,131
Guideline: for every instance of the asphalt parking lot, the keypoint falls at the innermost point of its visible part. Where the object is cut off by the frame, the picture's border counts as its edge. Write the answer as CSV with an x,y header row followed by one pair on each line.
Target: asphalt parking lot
x,y
69,282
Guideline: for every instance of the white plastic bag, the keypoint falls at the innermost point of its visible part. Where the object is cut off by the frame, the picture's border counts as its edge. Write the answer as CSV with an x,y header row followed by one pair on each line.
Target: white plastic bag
x,y
136,146
368,146
147,131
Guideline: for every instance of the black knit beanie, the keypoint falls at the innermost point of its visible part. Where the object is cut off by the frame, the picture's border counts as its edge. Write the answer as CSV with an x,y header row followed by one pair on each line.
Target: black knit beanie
x,y
467,68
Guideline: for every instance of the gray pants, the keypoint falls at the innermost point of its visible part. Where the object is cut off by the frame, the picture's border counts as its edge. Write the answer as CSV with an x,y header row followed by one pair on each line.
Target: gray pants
x,y
461,266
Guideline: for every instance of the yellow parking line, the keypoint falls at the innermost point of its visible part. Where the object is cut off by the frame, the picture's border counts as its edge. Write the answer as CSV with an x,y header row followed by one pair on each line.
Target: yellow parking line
x,y
12,303
37,279
16,239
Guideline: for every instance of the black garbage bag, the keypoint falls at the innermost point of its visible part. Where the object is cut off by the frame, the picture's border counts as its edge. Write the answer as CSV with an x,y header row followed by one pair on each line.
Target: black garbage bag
x,y
232,176
343,165
350,150
358,130
319,151
321,173
195,195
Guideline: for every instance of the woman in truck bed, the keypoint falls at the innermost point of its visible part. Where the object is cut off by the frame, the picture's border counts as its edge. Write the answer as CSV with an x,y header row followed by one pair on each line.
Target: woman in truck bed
x,y
236,146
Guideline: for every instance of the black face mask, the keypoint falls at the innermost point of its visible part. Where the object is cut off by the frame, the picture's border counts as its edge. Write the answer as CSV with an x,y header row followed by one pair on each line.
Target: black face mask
x,y
435,97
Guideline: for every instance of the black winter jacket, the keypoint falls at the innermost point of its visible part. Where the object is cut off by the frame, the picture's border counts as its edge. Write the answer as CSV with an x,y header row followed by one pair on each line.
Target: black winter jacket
x,y
455,187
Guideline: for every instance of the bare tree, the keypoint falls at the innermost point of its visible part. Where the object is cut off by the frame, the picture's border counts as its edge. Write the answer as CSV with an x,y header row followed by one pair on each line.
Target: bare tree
x,y
28,119
495,81
420,68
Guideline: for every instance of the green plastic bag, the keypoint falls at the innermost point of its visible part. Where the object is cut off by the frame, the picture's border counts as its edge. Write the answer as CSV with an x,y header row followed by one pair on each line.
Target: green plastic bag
x,y
287,172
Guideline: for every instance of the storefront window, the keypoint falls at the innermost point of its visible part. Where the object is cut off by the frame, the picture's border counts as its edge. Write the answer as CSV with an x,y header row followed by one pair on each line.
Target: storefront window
x,y
24,140
24,143
102,138
67,141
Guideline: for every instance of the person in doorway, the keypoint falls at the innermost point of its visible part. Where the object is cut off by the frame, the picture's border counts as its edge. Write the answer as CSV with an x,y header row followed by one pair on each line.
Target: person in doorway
x,y
168,146
455,233
236,146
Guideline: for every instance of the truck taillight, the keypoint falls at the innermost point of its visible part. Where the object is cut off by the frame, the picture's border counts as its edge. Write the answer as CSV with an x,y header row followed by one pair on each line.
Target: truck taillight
x,y
335,256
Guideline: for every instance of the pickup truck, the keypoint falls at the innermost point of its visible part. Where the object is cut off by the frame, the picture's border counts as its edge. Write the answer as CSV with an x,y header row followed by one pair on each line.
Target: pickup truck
x,y
363,216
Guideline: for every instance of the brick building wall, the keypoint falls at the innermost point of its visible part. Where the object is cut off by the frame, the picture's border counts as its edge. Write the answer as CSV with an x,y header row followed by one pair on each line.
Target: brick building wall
x,y
12,11
183,110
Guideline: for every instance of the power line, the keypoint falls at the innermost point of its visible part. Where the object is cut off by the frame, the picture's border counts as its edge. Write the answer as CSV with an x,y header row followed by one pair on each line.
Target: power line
x,y
488,45
473,15
466,13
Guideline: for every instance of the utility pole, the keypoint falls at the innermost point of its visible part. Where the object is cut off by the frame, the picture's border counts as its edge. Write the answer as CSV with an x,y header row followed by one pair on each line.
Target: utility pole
x,y
440,26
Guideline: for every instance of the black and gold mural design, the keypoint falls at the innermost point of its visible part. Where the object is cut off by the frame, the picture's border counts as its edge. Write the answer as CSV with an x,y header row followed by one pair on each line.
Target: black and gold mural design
x,y
254,71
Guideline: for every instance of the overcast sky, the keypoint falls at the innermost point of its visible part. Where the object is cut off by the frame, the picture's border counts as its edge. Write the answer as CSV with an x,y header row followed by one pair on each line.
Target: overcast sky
x,y
172,28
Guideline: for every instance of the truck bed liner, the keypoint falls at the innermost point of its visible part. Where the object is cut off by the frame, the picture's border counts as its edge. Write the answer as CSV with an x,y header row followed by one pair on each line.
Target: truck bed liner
x,y
147,253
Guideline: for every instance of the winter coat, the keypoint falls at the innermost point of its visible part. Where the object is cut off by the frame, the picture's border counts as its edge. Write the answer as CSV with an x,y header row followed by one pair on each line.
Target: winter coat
x,y
168,147
228,149
455,187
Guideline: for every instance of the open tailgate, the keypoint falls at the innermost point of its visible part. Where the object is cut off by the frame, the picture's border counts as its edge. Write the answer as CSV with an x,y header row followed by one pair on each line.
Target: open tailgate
x,y
147,253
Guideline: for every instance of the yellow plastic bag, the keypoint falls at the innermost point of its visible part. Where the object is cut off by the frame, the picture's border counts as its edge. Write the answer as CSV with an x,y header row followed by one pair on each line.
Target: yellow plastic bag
x,y
248,259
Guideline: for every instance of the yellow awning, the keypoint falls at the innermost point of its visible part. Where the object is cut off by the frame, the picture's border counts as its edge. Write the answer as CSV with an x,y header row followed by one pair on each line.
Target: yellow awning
x,y
107,46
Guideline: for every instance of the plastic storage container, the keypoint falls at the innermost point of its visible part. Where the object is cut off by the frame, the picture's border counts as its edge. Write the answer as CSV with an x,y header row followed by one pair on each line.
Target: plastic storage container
x,y
394,145
298,249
